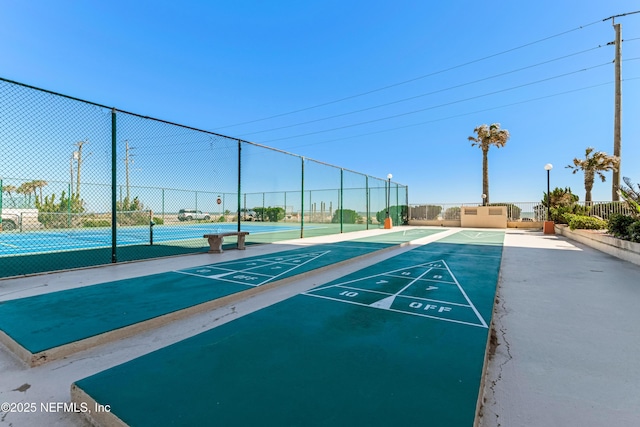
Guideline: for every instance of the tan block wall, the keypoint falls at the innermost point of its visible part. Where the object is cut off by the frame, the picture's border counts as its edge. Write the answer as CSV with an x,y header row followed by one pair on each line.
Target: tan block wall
x,y
483,216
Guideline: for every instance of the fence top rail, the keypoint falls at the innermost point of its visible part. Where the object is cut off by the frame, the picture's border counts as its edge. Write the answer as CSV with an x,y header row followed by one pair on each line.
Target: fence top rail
x,y
114,109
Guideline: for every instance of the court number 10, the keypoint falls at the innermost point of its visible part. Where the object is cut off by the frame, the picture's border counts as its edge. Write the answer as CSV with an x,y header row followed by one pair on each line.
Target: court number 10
x,y
349,294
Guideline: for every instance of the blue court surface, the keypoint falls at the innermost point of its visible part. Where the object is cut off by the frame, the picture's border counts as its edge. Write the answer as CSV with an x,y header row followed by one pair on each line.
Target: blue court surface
x,y
15,243
399,343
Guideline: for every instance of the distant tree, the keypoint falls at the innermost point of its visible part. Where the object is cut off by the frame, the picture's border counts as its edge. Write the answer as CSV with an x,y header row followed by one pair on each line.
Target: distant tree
x,y
563,202
10,189
26,188
269,214
486,136
38,185
349,216
594,164
398,214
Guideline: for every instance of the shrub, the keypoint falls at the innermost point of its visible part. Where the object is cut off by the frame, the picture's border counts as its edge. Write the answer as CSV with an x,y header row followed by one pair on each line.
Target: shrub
x,y
398,214
618,226
349,216
96,223
634,232
158,220
585,222
269,214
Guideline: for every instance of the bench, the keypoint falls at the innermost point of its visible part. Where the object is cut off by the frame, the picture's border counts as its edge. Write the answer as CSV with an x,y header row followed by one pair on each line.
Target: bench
x,y
215,240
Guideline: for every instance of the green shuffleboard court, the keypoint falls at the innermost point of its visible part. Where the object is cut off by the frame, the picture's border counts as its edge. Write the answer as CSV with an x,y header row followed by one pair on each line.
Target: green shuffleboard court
x,y
52,325
401,343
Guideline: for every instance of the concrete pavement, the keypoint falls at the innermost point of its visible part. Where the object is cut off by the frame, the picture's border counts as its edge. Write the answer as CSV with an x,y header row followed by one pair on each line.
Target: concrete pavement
x,y
566,320
567,327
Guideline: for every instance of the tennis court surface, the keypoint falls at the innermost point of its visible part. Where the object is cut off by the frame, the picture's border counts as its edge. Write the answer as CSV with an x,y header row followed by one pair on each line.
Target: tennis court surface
x,y
400,342
53,325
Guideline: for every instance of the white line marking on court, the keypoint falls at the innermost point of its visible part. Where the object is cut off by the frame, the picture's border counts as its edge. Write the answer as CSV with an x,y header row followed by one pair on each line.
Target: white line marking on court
x,y
267,263
473,307
297,266
387,302
401,312
9,246
388,273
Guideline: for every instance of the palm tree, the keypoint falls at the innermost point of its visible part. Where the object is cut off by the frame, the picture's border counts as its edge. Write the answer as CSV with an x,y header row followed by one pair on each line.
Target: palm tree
x,y
9,189
38,184
592,164
26,188
486,137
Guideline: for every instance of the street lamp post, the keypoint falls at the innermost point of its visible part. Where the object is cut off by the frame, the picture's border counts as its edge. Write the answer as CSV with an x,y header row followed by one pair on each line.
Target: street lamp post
x,y
387,220
548,224
484,199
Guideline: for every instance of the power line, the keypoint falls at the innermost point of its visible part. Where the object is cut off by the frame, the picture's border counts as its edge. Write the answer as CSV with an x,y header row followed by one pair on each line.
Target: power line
x,y
413,79
424,94
437,106
463,114
425,122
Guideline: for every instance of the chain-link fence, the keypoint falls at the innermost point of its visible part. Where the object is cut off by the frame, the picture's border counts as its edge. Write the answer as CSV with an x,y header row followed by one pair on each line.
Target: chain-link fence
x,y
84,184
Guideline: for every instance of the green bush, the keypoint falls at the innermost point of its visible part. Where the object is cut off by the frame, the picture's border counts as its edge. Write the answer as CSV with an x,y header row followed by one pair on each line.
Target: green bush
x,y
158,220
585,222
618,226
349,216
559,214
398,214
562,202
96,223
634,232
54,214
269,214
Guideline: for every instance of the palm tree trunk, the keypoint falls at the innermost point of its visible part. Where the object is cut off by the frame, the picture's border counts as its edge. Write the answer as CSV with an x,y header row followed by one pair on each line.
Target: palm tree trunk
x,y
588,185
485,174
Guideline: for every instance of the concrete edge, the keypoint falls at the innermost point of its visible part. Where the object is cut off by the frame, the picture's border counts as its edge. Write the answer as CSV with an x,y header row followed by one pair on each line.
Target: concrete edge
x,y
92,414
489,352
40,358
485,367
623,249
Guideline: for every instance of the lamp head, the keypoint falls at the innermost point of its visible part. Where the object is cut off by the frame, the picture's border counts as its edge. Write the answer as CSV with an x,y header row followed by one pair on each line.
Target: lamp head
x,y
389,176
548,166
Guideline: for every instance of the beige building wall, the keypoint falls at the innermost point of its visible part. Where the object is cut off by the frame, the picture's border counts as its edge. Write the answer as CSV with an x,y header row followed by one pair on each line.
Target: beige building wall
x,y
483,216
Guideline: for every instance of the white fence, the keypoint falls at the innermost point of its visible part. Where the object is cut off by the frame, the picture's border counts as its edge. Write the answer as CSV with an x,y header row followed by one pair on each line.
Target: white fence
x,y
516,211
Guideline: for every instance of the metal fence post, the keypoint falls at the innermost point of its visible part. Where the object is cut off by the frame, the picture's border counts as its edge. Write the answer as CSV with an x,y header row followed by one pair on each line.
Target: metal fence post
x,y
341,199
239,181
114,183
302,201
367,201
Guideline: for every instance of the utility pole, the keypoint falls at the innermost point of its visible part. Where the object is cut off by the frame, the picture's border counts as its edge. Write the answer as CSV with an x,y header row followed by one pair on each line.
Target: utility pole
x,y
127,160
617,120
73,157
617,137
79,144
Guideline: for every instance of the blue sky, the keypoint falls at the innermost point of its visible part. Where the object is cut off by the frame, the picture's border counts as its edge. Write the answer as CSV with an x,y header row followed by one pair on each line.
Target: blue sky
x,y
377,87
